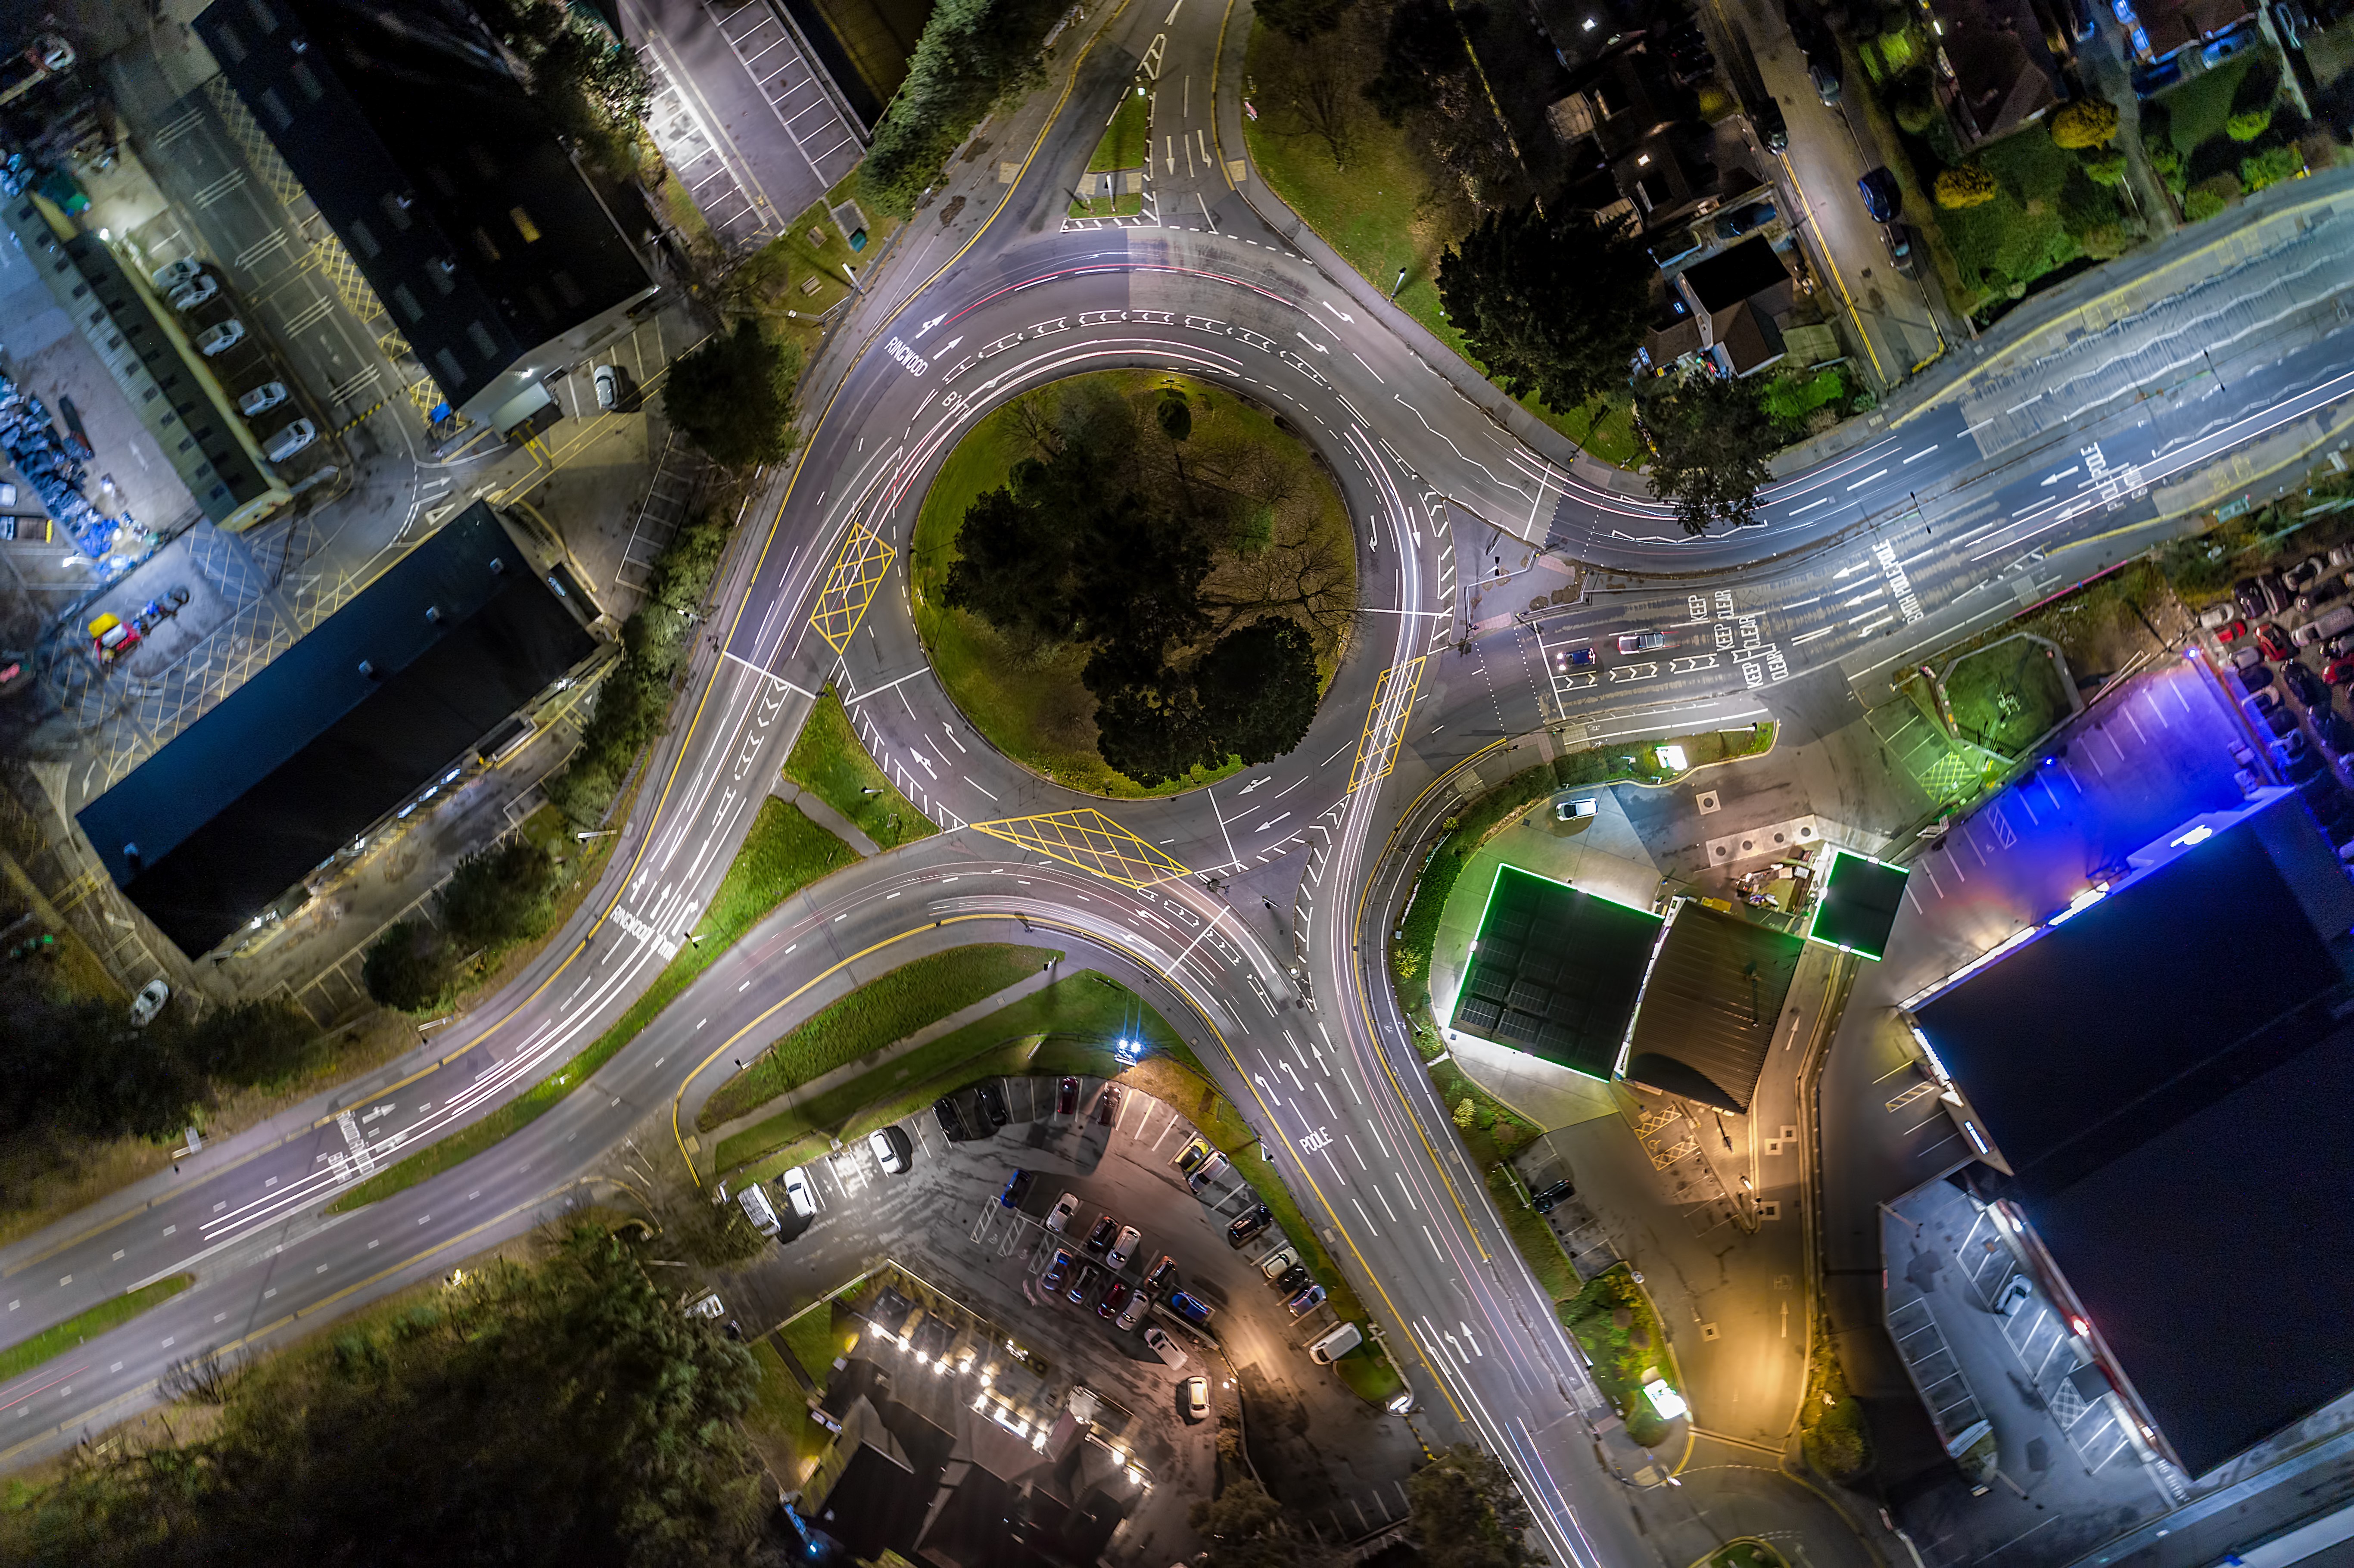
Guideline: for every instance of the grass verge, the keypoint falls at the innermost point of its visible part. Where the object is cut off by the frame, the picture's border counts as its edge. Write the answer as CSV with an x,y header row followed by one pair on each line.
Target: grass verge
x,y
829,762
1831,1430
784,853
1121,146
1620,1330
1370,1376
2004,696
884,1011
779,1422
1128,205
774,281
60,1338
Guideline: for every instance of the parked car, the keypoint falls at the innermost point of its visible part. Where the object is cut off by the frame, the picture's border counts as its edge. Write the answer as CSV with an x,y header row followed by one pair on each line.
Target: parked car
x,y
1066,1097
1157,1339
1139,1302
291,440
2291,21
1108,1105
759,1210
2304,572
2213,616
172,275
194,292
2237,39
2310,688
1338,1343
1194,1398
2250,598
2231,631
2274,645
2340,555
1059,1216
1191,1309
1249,1224
1293,1279
1575,811
1100,1237
2260,701
992,1102
795,1185
1057,1271
1882,198
607,379
2321,593
1081,1283
1827,82
1274,1263
1207,1171
1115,1297
2253,677
1741,220
1196,1150
1898,237
1543,1202
951,1119
2337,672
1123,1247
267,396
220,337
149,1002
1306,1301
2339,647
1641,641
2155,78
1773,131
1162,1274
893,1151
1017,1187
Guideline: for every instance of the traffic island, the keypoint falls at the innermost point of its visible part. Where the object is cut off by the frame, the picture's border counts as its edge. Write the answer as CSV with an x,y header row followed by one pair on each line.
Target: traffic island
x,y
1619,1332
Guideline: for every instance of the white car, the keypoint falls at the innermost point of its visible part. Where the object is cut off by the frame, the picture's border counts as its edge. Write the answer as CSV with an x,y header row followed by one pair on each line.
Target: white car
x,y
149,1002
1641,641
1571,810
1275,1263
189,295
292,439
709,1306
1139,1302
796,1185
885,1142
1060,1216
269,395
1157,1339
220,336
172,274
1195,1391
1124,1249
608,381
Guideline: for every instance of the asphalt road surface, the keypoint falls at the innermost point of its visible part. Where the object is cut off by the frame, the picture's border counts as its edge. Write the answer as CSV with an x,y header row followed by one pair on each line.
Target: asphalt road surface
x,y
1869,558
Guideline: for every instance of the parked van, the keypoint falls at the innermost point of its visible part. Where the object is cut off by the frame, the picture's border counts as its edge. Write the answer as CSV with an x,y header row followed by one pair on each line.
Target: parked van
x,y
2337,621
758,1209
1335,1345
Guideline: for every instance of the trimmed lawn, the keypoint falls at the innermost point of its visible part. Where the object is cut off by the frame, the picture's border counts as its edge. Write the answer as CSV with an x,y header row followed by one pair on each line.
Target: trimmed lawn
x,y
1369,1375
779,1422
883,1011
56,1339
829,763
2005,695
1030,704
1125,134
769,282
784,853
813,1340
2197,109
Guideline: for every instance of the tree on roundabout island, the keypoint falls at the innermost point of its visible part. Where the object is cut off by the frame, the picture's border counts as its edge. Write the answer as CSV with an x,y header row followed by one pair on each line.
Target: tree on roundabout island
x,y
1132,534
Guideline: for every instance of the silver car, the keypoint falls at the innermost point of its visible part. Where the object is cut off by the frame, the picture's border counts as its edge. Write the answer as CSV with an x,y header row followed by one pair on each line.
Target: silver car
x,y
220,336
194,292
267,396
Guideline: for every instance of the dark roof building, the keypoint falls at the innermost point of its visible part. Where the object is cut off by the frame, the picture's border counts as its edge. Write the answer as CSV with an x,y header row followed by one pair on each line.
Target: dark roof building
x,y
1555,971
491,252
2155,1080
1735,297
1857,907
382,700
1710,1006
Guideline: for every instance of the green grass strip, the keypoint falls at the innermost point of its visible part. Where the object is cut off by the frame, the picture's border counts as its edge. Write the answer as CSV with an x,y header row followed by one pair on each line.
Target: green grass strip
x,y
1122,143
884,1011
56,1341
828,761
784,853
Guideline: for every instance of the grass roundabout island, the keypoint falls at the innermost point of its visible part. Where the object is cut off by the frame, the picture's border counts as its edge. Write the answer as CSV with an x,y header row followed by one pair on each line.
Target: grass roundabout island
x,y
1133,583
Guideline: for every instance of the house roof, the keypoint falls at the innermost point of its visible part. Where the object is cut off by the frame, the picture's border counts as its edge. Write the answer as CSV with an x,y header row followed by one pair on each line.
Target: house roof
x,y
2166,1065
381,698
1555,971
1746,339
1710,1006
1859,904
1733,275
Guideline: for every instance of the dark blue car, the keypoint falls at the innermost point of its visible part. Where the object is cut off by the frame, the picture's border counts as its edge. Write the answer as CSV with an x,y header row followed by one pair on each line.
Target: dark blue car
x,y
1882,198
1016,1187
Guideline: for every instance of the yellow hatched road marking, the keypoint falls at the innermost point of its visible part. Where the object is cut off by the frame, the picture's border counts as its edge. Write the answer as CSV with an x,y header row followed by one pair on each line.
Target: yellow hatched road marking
x,y
851,586
1386,719
1092,841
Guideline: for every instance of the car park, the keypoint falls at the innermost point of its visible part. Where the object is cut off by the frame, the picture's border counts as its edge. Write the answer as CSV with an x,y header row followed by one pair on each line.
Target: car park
x,y
172,274
1115,1297
1196,1398
1057,1271
1207,1171
795,1185
1017,1187
220,337
1124,1247
1058,1218
1066,1097
1157,1341
260,400
1100,1237
1249,1224
1306,1301
291,440
1641,641
892,1150
194,292
1108,1105
951,1119
1882,198
992,1102
1140,1302
2274,645
149,1002
1275,1263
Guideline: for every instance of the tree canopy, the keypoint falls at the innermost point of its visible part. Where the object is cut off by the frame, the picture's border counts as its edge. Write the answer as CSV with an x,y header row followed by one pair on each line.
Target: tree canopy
x,y
562,1414
732,395
972,55
1301,20
1712,440
1467,1513
1246,1529
1107,538
1550,305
